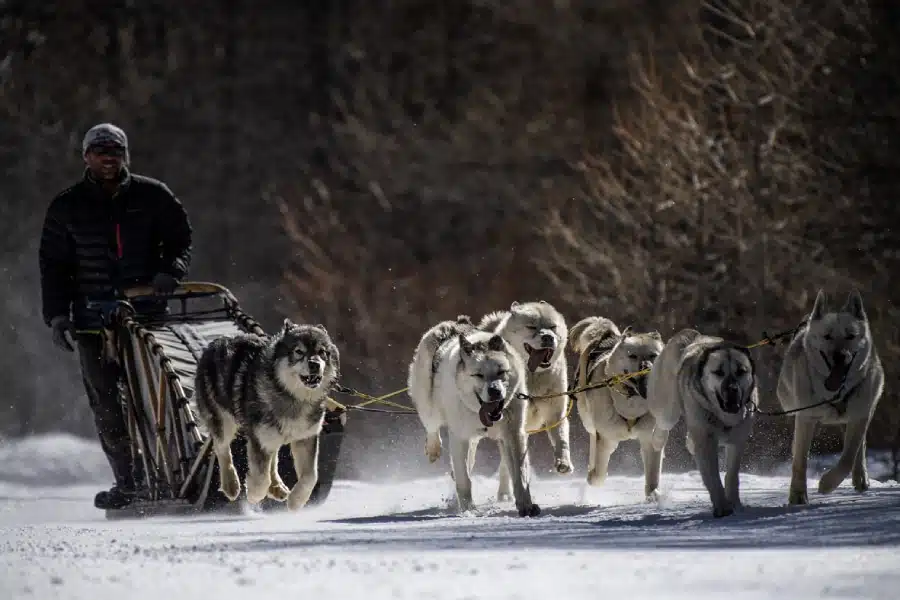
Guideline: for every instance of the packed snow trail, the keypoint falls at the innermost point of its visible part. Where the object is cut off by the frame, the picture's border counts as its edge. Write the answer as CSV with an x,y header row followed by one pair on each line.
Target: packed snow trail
x,y
401,540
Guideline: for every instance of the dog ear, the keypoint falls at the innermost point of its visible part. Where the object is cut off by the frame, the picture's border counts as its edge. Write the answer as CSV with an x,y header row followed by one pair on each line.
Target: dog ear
x,y
854,305
655,335
465,346
464,320
287,325
514,305
496,344
625,332
322,327
819,307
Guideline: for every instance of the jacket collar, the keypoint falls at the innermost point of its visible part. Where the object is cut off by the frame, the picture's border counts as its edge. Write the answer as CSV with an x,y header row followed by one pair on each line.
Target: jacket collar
x,y
97,187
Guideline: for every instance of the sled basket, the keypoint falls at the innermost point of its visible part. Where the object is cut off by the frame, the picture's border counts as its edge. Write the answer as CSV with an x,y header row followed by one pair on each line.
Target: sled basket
x,y
157,353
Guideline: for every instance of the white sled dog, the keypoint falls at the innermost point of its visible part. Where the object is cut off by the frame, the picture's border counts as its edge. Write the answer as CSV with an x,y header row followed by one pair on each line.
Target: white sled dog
x,y
713,383
538,333
832,362
614,414
273,390
469,380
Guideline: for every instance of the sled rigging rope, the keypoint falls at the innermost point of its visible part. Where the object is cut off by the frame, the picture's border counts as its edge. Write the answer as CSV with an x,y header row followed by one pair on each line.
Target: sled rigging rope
x,y
609,382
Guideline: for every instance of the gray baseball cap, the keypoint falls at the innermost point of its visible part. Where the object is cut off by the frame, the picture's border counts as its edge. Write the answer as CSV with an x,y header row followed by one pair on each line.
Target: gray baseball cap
x,y
104,134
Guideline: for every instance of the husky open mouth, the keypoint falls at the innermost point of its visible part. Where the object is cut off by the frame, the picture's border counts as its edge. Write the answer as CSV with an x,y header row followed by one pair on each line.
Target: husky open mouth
x,y
636,385
490,413
839,368
538,357
311,381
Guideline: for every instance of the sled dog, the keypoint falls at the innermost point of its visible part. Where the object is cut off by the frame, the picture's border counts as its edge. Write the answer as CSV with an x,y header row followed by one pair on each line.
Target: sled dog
x,y
538,332
614,414
713,383
273,391
831,360
469,380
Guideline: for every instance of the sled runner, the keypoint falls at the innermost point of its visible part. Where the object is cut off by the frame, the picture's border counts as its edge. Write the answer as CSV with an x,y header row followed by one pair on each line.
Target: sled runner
x,y
175,470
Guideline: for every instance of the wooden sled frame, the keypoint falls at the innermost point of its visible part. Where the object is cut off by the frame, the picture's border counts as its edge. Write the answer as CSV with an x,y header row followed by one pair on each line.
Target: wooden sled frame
x,y
175,471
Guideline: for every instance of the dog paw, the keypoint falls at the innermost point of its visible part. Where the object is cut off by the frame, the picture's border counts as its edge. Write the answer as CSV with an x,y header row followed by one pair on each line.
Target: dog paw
x,y
278,492
433,448
296,501
504,496
230,484
861,484
563,466
830,481
797,497
652,496
595,478
530,510
723,511
256,493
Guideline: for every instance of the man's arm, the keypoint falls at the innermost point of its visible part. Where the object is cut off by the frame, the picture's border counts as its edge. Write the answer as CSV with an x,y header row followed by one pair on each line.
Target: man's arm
x,y
56,256
175,234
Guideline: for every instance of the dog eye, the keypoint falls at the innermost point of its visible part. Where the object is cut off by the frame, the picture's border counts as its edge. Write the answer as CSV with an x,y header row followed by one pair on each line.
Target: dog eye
x,y
827,336
850,336
632,356
719,373
740,371
478,376
503,373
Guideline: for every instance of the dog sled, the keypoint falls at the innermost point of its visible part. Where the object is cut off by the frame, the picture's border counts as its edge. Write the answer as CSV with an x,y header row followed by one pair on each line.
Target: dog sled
x,y
176,472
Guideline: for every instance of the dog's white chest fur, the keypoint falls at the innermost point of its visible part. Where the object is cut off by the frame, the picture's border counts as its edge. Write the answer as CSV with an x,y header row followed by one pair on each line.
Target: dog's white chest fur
x,y
629,407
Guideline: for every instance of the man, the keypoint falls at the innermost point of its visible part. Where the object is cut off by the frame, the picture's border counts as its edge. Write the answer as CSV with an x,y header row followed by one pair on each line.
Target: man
x,y
110,231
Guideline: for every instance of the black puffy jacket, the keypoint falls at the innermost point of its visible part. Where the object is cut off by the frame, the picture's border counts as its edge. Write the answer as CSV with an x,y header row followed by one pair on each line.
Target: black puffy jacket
x,y
94,245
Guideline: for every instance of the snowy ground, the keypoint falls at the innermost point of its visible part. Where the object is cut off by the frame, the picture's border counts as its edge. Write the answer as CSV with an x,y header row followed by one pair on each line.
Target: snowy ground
x,y
399,540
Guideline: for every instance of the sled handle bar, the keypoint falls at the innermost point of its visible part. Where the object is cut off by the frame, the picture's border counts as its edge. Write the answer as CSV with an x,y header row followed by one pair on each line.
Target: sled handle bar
x,y
185,290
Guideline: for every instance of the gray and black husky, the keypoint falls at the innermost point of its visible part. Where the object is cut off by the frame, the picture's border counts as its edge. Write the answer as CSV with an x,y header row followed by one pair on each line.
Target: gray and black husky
x,y
273,390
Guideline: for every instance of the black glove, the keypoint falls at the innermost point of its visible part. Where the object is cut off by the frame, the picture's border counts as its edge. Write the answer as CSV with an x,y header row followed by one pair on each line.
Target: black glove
x,y
60,326
164,283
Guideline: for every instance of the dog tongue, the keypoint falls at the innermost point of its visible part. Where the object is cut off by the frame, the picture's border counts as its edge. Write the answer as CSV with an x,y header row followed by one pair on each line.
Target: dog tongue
x,y
490,413
836,377
536,357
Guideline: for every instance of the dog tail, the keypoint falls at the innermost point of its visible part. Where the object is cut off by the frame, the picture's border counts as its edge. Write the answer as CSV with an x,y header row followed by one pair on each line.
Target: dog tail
x,y
589,330
491,321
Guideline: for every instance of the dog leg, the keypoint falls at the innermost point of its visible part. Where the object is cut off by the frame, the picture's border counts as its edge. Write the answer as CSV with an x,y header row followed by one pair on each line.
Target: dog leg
x,y
433,445
470,457
229,482
306,463
277,490
804,430
733,454
860,471
459,454
706,457
559,439
222,434
660,438
504,490
652,459
854,436
259,470
515,447
603,449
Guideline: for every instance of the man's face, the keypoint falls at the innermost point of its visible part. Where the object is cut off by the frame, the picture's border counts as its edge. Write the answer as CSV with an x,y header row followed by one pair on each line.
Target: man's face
x,y
105,161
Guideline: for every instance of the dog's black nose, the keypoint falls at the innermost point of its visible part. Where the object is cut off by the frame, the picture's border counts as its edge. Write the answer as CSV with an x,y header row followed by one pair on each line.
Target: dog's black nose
x,y
646,364
495,394
547,340
315,366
